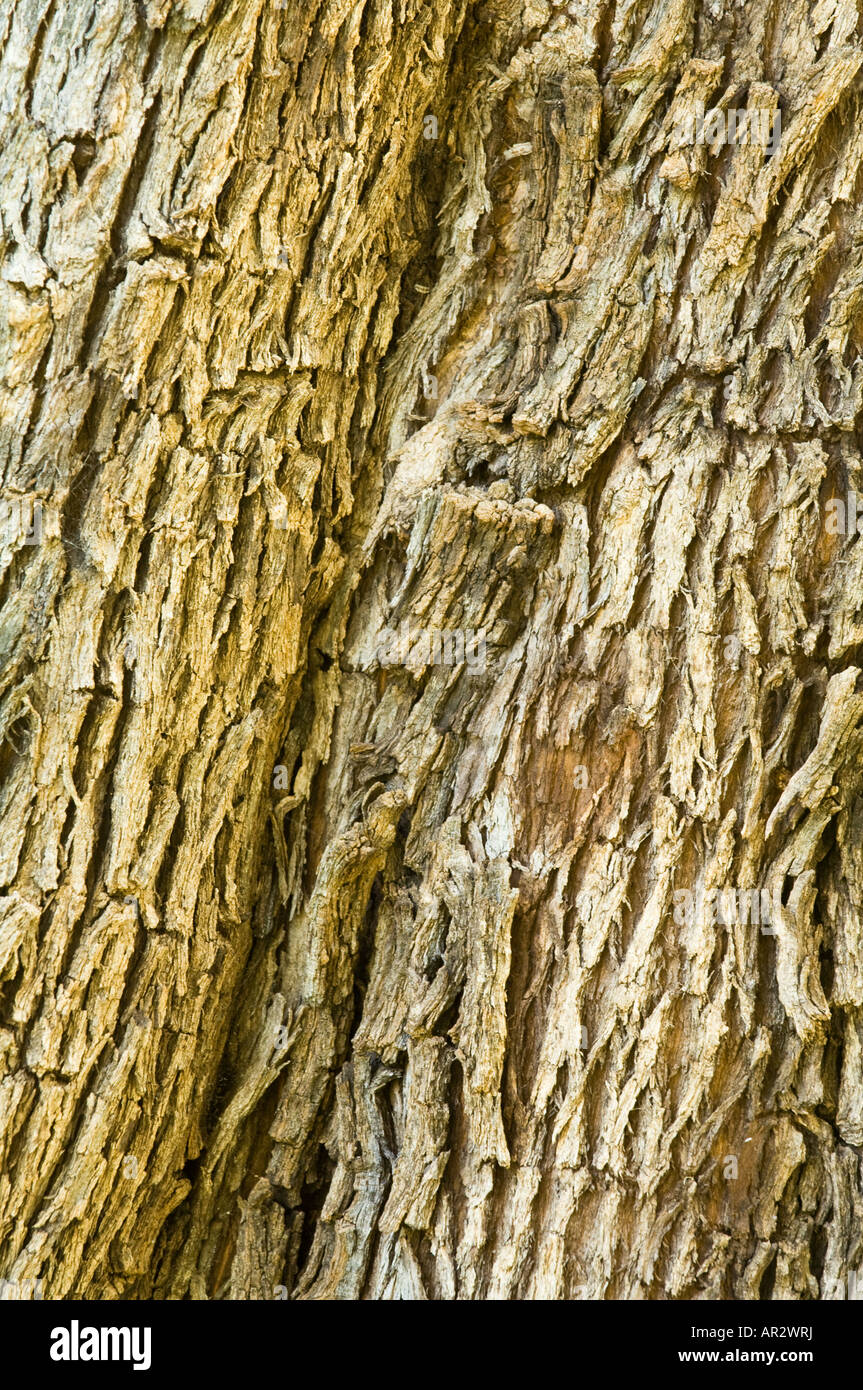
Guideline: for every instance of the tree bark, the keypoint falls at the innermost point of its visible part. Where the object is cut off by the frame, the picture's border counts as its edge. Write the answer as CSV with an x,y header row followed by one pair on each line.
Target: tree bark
x,y
435,619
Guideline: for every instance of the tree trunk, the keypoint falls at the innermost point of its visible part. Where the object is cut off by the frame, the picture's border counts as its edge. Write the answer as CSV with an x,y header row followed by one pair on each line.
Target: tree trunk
x,y
431,804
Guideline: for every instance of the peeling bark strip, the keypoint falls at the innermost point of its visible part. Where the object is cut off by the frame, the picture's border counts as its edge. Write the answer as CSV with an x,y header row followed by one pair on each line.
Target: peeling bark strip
x,y
328,971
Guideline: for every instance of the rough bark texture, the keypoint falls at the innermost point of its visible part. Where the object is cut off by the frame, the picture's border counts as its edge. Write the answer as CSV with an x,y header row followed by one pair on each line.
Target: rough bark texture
x,y
324,977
